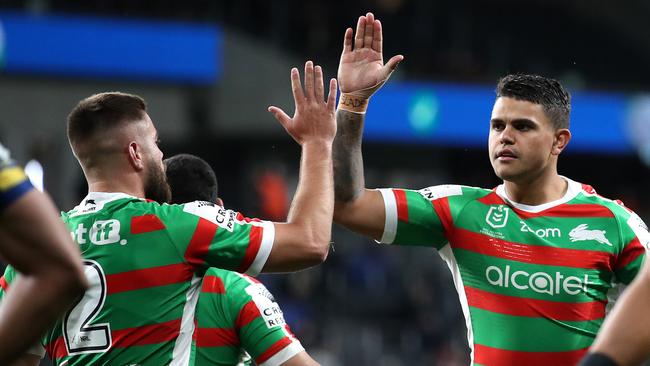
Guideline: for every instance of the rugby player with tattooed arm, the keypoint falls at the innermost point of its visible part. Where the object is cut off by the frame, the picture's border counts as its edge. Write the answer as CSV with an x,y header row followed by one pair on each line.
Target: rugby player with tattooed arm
x,y
537,256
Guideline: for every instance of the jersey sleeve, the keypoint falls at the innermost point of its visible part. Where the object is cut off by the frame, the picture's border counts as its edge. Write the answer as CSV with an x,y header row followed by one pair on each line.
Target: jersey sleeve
x,y
261,326
420,218
636,240
13,181
237,316
218,237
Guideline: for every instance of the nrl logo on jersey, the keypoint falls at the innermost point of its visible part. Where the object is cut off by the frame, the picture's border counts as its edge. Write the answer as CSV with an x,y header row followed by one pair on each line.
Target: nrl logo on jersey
x,y
582,233
497,216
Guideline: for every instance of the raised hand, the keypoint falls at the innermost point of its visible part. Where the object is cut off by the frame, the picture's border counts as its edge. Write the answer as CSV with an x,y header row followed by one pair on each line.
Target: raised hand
x,y
361,69
313,119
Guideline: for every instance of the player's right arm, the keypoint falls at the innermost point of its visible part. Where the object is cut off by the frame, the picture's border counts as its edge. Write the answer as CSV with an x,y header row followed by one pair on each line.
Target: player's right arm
x,y
303,241
361,73
34,240
301,359
250,246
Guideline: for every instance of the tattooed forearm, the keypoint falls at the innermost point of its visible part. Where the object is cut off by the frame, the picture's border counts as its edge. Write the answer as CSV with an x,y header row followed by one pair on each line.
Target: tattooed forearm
x,y
348,162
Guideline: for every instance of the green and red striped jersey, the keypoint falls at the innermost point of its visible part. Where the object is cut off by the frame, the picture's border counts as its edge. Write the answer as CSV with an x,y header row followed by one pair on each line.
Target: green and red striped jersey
x,y
141,261
238,318
533,281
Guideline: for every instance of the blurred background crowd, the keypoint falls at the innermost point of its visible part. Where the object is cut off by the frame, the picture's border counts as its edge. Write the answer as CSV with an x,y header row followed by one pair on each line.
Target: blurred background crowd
x,y
209,68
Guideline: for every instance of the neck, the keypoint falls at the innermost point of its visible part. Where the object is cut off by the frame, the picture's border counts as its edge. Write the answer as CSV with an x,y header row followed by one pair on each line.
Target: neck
x,y
538,191
129,184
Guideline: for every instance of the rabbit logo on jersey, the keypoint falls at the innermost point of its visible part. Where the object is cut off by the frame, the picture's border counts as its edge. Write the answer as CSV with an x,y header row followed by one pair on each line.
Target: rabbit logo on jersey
x,y
540,282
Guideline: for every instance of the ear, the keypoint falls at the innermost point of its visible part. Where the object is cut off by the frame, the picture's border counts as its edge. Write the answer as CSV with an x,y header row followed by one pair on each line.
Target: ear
x,y
135,156
561,140
218,201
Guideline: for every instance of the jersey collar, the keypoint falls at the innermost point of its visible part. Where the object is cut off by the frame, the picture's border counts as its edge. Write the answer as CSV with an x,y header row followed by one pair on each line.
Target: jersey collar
x,y
95,201
572,190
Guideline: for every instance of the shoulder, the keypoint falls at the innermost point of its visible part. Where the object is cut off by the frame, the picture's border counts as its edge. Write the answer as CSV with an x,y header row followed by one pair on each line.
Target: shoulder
x,y
626,218
228,279
616,207
433,193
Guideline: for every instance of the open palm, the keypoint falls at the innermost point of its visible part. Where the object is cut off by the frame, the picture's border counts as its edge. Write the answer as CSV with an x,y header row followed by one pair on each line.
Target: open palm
x,y
362,70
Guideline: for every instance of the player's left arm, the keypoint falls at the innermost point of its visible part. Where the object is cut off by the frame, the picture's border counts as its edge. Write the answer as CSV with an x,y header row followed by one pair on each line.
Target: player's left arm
x,y
35,241
625,335
35,354
27,360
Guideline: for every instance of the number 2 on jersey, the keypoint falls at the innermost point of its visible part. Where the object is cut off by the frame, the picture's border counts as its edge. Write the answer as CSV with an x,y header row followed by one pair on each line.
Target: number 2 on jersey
x,y
79,336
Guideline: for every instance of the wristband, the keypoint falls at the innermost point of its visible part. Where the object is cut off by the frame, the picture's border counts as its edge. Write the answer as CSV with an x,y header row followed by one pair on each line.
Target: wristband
x,y
353,103
597,359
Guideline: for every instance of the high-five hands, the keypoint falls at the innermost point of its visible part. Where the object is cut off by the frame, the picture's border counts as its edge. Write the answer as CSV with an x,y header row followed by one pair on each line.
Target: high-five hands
x,y
362,70
314,117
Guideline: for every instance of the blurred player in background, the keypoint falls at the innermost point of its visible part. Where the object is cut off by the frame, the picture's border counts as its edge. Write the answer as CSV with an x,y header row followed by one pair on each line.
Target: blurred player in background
x,y
236,316
34,240
533,260
143,259
624,339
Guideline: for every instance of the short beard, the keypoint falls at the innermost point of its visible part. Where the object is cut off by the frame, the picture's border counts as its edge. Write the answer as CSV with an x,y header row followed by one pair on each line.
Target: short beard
x,y
156,187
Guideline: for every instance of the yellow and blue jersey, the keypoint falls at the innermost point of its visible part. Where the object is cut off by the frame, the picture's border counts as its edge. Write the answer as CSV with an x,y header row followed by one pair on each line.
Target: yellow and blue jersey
x,y
13,181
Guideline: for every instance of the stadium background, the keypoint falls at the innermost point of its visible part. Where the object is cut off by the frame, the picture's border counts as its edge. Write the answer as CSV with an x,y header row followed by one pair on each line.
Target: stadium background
x,y
209,69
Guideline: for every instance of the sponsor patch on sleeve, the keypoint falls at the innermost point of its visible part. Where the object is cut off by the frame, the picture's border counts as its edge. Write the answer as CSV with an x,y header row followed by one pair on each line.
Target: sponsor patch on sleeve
x,y
265,302
441,191
640,229
224,218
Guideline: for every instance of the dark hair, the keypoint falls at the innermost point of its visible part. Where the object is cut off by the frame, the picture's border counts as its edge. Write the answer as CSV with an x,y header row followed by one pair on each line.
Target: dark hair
x,y
190,179
103,111
547,92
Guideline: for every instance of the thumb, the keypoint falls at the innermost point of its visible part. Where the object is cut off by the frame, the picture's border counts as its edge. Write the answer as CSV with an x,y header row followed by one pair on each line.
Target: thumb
x,y
282,117
391,65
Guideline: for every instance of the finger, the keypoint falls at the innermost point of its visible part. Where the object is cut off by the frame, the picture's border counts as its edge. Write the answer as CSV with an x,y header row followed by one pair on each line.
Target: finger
x,y
318,79
367,36
377,38
296,88
391,65
347,41
361,28
282,117
331,97
309,80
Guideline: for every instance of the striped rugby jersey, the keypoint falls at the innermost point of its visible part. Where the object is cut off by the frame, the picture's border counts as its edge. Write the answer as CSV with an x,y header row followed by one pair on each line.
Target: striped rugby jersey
x,y
141,260
533,281
236,317
13,181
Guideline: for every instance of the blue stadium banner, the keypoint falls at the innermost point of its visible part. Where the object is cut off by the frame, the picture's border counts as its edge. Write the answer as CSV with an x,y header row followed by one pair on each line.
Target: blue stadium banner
x,y
459,115
94,47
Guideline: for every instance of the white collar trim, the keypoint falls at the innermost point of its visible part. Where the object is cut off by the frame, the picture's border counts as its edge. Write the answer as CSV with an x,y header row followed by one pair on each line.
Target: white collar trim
x,y
97,202
572,190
